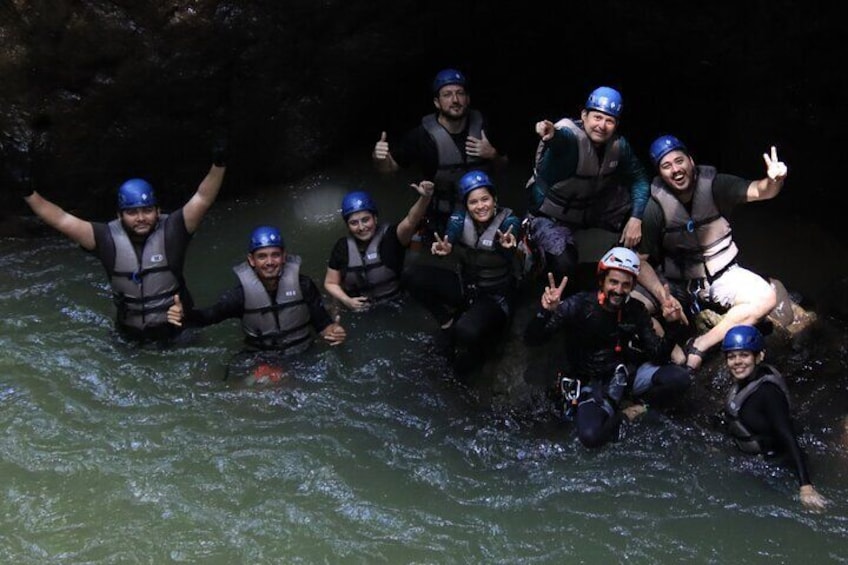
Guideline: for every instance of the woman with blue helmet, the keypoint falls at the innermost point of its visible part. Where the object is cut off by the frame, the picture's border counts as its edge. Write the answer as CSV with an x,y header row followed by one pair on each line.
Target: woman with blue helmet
x,y
757,409
474,314
365,266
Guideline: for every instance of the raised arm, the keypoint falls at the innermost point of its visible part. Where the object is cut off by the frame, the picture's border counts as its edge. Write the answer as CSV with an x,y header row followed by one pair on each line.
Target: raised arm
x,y
382,156
78,230
772,183
406,228
207,192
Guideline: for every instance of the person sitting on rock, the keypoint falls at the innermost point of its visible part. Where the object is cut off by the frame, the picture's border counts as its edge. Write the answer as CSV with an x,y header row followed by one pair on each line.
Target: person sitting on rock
x,y
685,232
612,348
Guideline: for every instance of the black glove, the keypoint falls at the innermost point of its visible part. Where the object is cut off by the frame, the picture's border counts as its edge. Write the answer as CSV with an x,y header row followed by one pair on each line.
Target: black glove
x,y
219,152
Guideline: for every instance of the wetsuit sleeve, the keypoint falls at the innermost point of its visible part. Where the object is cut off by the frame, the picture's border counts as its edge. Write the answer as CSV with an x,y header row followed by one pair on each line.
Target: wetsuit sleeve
x,y
392,252
104,247
229,305
653,224
177,239
513,222
544,324
558,161
338,256
318,315
634,172
658,349
455,225
771,403
498,142
416,148
729,191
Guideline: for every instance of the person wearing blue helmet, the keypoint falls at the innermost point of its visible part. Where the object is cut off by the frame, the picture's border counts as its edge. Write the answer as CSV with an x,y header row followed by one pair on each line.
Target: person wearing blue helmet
x,y
143,250
586,175
281,309
687,235
474,308
366,266
446,144
757,410
614,354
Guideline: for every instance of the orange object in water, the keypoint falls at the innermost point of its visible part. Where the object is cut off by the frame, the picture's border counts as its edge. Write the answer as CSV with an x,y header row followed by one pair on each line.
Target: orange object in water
x,y
265,373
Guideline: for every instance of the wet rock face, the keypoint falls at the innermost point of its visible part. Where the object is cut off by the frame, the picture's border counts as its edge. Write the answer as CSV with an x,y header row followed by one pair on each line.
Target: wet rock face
x,y
106,90
98,91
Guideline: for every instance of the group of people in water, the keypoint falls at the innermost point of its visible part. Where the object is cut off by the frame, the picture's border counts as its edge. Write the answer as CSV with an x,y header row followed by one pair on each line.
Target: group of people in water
x,y
464,257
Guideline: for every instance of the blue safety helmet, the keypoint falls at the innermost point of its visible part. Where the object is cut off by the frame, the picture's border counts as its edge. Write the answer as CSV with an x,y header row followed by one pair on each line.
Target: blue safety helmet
x,y
605,99
265,236
446,77
743,338
663,145
473,180
135,193
357,201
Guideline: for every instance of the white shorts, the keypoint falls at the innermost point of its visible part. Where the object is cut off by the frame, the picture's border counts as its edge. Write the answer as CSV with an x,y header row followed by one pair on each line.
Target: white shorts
x,y
734,283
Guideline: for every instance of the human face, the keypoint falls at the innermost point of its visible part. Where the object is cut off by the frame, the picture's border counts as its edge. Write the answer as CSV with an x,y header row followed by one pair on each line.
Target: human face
x,y
617,286
139,222
362,225
598,126
677,170
481,205
742,363
452,102
267,263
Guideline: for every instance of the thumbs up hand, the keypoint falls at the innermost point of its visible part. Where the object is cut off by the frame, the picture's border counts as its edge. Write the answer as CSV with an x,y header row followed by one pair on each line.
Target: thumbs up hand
x,y
381,148
175,312
334,334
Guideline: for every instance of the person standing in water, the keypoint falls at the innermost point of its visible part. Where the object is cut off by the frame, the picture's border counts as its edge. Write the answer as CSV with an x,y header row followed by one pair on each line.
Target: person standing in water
x,y
757,410
366,266
143,250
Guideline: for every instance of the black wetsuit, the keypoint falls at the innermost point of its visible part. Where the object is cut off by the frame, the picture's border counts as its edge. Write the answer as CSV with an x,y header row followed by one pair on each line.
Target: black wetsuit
x,y
599,340
765,414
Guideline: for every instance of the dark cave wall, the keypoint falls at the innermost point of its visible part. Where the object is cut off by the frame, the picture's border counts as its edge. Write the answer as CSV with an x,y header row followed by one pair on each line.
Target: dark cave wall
x,y
100,91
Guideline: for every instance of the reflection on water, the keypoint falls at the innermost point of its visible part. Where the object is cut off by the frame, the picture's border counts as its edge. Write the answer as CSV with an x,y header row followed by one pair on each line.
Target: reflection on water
x,y
370,452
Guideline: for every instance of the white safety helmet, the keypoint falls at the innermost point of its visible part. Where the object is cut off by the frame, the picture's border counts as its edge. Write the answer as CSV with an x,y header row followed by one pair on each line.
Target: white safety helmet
x,y
620,258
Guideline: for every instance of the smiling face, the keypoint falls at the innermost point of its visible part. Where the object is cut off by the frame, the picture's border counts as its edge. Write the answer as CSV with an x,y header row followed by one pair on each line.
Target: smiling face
x,y
362,225
741,364
452,102
267,263
677,170
481,205
617,286
139,222
598,126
